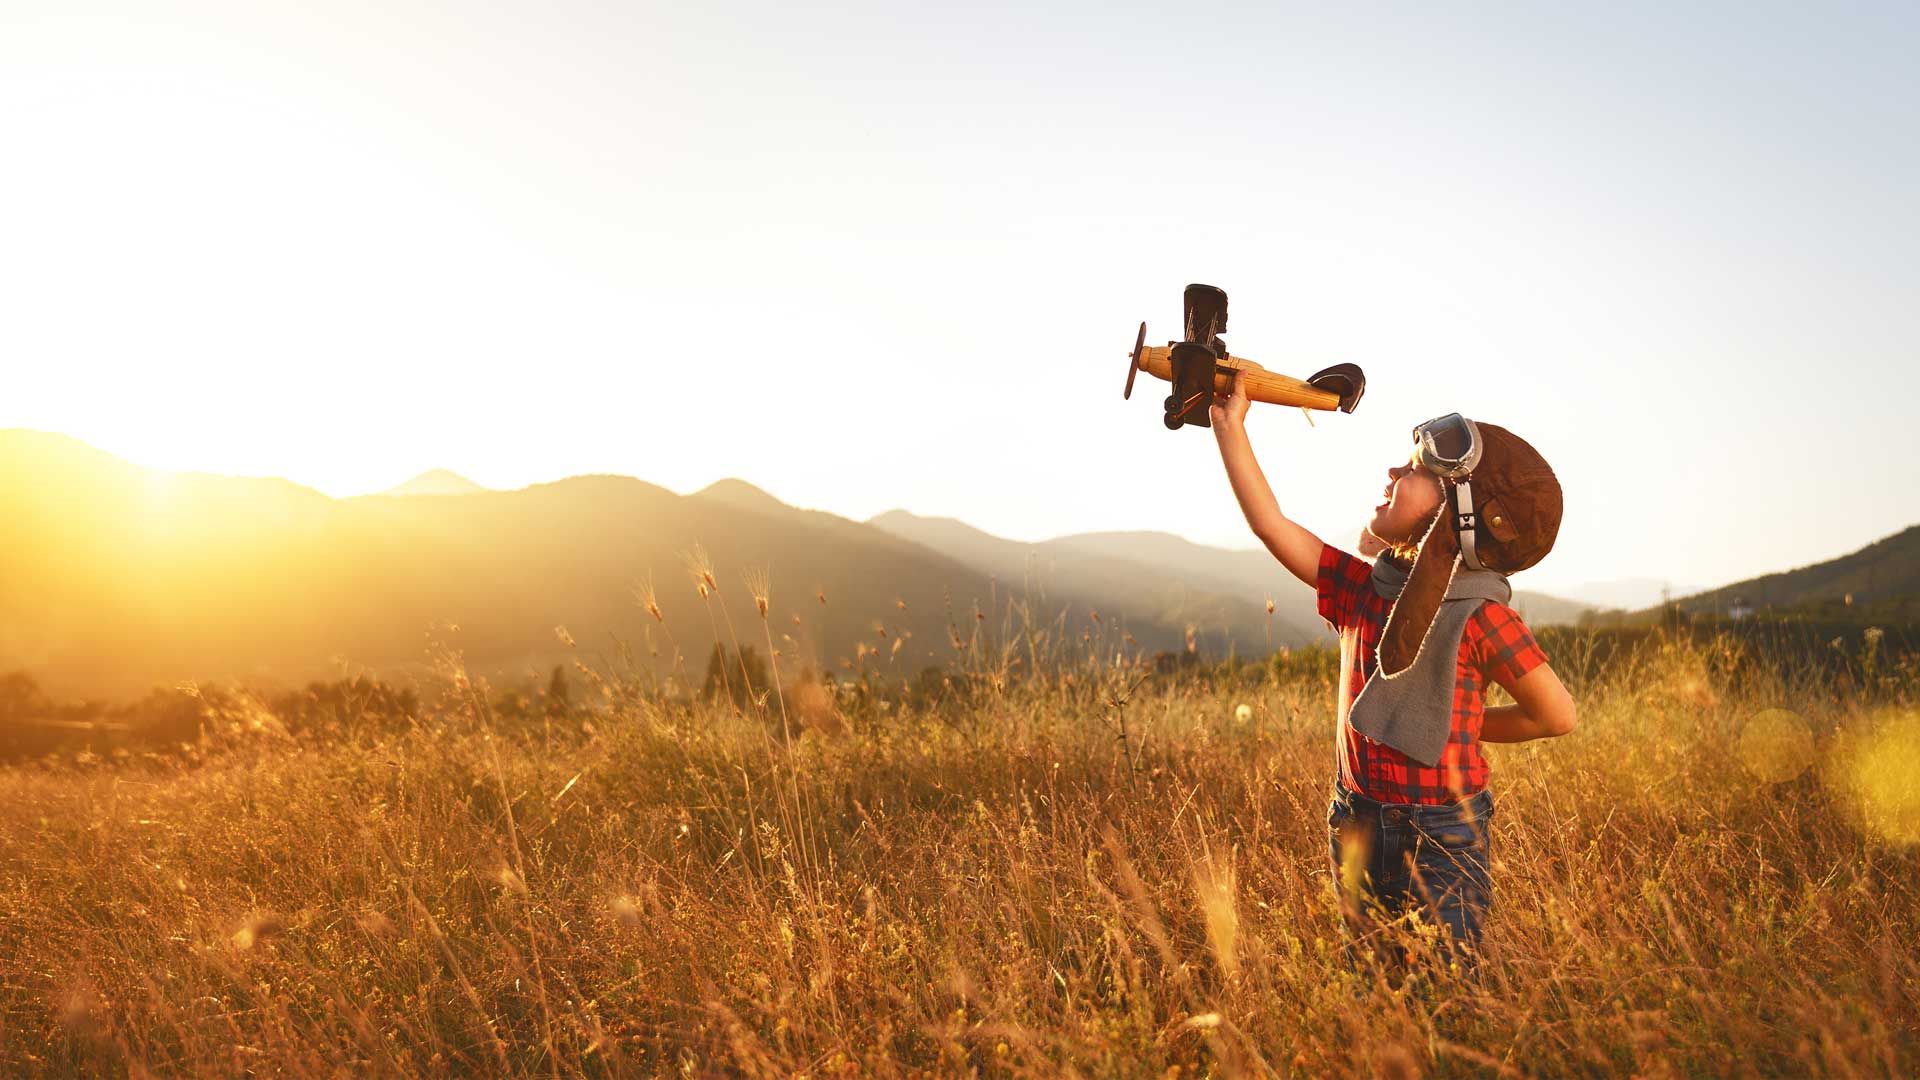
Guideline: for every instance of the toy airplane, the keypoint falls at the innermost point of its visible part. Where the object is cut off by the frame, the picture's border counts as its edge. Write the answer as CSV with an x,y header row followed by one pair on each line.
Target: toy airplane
x,y
1199,368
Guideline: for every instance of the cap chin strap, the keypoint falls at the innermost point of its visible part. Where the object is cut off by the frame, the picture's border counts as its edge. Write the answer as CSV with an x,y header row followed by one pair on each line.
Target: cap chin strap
x,y
1465,522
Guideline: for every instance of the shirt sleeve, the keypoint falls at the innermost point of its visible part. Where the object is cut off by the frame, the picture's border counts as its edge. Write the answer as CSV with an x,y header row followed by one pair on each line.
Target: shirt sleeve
x,y
1341,578
1505,648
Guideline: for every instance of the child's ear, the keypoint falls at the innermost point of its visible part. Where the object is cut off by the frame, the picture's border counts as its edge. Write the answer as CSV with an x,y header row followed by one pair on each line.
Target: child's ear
x,y
1413,613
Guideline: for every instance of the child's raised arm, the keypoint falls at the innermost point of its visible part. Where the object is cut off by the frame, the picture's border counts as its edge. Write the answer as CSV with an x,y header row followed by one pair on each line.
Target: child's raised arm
x,y
1297,549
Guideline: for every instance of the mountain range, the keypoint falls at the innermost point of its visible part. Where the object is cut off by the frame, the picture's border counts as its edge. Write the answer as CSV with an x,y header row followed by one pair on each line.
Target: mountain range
x,y
120,578
1879,581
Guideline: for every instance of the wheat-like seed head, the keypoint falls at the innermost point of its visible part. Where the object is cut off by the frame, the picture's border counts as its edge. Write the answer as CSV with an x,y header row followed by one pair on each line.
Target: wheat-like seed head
x,y
701,568
759,581
649,599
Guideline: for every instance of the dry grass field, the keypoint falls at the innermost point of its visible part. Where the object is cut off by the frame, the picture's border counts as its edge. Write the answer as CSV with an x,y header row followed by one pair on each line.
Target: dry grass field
x,y
1094,872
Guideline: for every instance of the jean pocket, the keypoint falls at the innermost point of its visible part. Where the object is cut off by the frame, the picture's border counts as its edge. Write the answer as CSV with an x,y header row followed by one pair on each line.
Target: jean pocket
x,y
1454,828
1462,837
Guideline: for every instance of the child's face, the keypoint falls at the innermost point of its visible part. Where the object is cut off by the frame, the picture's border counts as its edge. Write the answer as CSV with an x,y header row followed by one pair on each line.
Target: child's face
x,y
1412,494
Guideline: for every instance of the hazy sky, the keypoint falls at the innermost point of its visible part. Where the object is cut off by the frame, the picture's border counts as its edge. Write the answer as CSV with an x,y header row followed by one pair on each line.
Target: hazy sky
x,y
870,256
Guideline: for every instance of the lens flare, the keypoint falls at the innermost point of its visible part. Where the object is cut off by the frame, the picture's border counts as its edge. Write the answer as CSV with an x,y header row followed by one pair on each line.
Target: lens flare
x,y
1776,745
1882,771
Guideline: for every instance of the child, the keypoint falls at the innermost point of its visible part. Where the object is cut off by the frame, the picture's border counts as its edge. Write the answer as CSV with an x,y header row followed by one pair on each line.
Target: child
x,y
1423,629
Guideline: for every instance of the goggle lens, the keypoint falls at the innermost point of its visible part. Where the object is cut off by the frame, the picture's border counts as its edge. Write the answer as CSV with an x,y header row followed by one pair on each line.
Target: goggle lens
x,y
1451,440
1448,441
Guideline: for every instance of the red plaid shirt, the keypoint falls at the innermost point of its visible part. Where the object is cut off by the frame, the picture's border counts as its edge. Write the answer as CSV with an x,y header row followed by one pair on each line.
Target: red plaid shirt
x,y
1496,646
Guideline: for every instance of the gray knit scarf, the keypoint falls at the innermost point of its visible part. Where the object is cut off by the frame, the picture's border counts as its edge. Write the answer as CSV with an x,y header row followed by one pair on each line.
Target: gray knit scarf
x,y
1413,710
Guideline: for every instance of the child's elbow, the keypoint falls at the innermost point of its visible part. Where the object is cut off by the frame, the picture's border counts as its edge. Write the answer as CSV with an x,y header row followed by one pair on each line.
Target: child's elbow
x,y
1564,720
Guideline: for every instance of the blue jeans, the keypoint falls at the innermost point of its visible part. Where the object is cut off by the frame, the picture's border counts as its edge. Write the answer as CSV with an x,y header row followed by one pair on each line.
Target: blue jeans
x,y
1400,856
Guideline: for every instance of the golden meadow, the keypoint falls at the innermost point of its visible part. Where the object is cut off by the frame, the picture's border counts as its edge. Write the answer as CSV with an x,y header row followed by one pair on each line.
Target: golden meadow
x,y
1055,857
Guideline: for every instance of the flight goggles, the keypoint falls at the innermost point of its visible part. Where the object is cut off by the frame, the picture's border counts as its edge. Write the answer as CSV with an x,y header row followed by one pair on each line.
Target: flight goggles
x,y
1450,446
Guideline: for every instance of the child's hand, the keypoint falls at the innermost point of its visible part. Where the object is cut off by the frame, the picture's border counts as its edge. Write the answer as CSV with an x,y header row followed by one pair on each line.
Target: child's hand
x,y
1230,409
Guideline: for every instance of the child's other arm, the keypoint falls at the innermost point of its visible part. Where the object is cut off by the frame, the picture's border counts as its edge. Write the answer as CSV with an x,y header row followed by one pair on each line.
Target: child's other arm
x,y
1542,709
1297,549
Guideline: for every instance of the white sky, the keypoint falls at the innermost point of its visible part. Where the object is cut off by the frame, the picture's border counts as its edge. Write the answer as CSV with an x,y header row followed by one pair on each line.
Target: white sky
x,y
870,256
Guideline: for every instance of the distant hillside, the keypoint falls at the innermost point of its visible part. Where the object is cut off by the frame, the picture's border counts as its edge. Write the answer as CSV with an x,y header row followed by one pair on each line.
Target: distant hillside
x,y
1162,577
1225,604
119,578
1156,608
1881,580
742,496
436,482
1226,570
1626,594
1539,609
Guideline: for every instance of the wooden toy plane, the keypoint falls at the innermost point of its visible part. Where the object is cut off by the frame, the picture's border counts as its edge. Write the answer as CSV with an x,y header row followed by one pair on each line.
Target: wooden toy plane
x,y
1200,367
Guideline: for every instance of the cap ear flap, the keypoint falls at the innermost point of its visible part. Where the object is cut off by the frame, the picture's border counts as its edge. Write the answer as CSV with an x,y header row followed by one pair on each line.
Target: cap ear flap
x,y
1412,615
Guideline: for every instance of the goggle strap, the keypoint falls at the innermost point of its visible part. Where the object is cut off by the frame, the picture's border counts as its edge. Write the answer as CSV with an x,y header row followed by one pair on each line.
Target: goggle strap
x,y
1465,522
